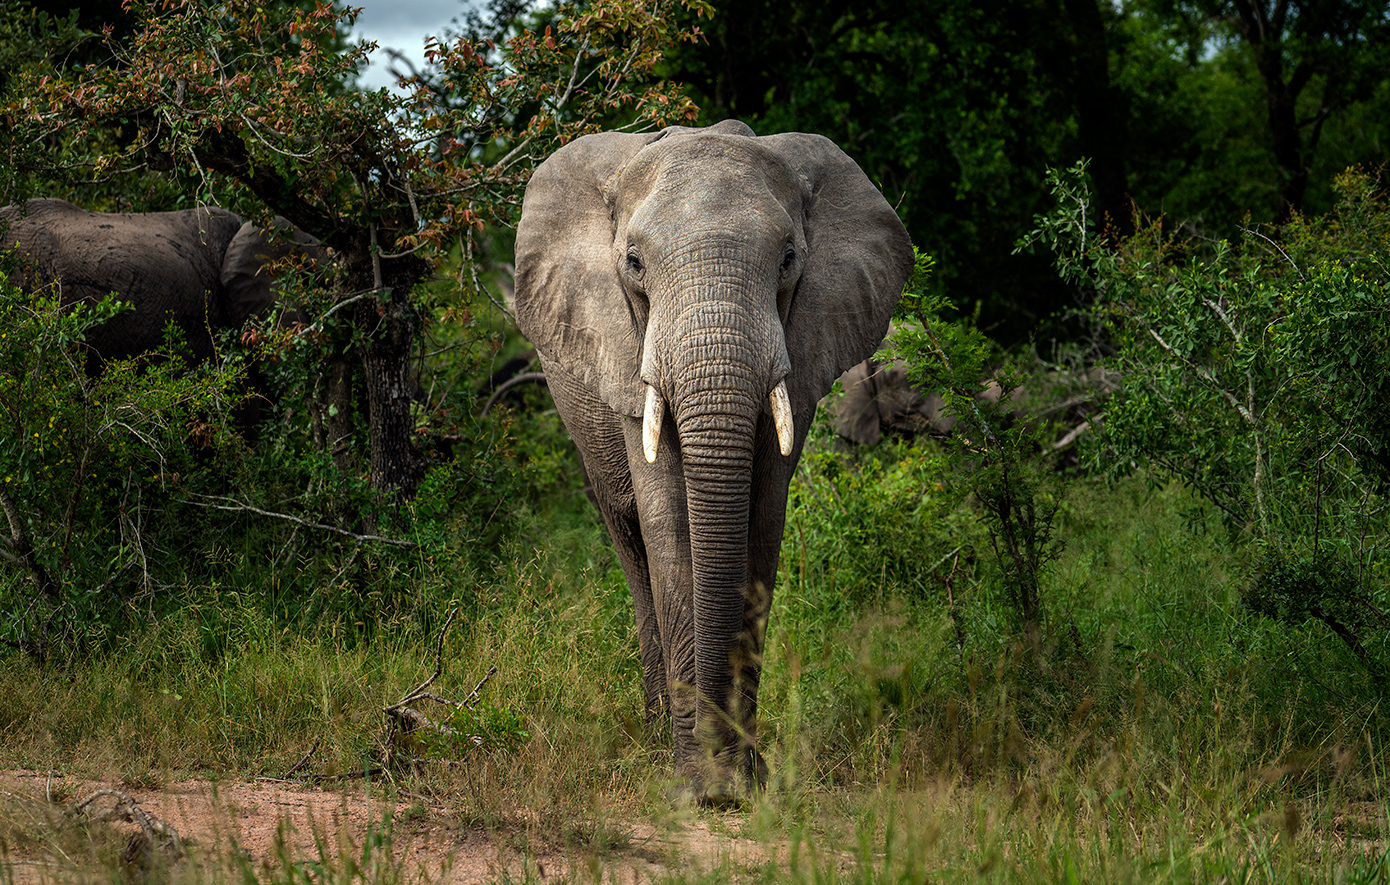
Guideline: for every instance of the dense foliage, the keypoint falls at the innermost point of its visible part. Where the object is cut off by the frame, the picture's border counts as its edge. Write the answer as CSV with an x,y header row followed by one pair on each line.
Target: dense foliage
x,y
86,460
1202,111
1255,372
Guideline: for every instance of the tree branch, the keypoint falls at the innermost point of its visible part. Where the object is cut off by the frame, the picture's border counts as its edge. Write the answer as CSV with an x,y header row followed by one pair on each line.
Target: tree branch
x,y
237,506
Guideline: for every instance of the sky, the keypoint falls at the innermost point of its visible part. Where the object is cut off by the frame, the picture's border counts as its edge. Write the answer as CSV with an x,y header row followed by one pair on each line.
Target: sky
x,y
403,25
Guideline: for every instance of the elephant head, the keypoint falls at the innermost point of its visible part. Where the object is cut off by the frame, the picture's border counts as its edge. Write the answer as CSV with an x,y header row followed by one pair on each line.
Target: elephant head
x,y
697,291
249,289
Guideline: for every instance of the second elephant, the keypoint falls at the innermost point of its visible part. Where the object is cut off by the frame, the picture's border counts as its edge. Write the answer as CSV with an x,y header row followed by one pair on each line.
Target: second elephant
x,y
203,269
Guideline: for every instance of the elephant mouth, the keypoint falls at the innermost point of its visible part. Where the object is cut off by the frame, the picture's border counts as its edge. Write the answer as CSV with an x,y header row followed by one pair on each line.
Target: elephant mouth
x,y
654,413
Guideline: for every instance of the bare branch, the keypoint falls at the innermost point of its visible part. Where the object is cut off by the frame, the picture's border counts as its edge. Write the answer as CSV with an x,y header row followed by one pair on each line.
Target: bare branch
x,y
24,550
237,506
302,762
523,378
438,665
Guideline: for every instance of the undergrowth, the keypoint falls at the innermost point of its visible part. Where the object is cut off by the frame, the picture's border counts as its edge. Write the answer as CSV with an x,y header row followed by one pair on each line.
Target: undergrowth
x,y
1155,730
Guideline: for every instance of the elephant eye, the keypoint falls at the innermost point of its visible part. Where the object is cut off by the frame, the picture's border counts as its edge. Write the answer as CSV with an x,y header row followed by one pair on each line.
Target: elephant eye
x,y
634,263
788,258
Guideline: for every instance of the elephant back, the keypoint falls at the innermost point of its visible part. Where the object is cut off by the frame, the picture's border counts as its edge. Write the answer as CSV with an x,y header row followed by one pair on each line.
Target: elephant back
x,y
166,264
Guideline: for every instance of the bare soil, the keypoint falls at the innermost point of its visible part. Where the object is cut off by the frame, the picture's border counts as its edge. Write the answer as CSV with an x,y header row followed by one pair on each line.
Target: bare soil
x,y
428,843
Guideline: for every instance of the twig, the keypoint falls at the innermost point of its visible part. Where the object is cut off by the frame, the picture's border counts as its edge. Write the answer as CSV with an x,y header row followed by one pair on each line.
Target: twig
x,y
239,506
24,550
303,762
127,809
366,293
466,241
1071,436
1292,263
347,775
414,693
473,695
507,385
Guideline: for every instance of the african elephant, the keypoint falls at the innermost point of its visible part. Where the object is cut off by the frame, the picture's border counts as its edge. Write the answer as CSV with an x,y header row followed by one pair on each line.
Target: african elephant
x,y
692,293
201,268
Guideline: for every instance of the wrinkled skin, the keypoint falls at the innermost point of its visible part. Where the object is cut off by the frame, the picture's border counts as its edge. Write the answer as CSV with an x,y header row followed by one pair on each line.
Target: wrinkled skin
x,y
677,285
201,268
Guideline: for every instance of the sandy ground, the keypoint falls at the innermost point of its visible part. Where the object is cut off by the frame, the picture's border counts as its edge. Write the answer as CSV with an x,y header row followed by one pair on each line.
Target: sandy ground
x,y
428,843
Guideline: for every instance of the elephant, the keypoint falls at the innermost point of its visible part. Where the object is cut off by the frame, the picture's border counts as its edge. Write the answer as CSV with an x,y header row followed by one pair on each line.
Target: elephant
x,y
692,294
879,397
201,268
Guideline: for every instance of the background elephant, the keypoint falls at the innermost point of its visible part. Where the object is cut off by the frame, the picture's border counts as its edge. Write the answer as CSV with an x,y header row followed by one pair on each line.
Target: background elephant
x,y
201,268
692,294
880,398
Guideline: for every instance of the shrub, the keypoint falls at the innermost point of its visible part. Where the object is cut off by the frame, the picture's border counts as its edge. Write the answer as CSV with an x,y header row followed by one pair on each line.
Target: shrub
x,y
1258,373
85,462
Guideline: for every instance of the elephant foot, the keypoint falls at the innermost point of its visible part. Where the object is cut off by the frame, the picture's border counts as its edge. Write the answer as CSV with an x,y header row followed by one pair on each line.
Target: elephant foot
x,y
722,783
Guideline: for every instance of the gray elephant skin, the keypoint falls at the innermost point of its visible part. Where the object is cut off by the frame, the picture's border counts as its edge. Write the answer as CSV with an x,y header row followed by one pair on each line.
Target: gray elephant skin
x,y
202,268
692,294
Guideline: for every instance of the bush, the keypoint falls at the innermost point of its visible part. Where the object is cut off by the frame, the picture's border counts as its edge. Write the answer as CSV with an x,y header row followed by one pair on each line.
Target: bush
x,y
998,456
87,461
1258,373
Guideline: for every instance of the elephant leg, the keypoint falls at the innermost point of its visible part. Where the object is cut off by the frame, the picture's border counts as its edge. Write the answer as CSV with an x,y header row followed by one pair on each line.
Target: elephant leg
x,y
660,492
598,435
772,476
625,529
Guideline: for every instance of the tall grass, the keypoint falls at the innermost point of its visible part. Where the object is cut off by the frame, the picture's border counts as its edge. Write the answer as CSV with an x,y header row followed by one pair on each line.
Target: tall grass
x,y
1154,729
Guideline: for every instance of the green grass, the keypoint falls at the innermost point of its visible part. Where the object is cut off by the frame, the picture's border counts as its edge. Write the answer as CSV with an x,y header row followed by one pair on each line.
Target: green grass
x,y
1153,731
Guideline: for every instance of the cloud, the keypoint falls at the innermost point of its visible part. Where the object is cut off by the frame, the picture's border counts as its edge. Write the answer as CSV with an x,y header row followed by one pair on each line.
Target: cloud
x,y
401,25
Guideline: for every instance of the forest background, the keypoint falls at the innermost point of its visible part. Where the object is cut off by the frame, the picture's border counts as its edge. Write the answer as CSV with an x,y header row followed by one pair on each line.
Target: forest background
x,y
1182,630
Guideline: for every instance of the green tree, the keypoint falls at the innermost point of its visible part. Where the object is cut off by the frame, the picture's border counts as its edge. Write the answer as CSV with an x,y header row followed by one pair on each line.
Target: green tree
x,y
957,109
1255,372
1314,58
246,103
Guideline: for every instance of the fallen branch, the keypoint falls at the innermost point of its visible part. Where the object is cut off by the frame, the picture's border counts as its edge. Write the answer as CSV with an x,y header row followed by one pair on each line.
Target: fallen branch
x,y
403,720
155,831
302,762
237,506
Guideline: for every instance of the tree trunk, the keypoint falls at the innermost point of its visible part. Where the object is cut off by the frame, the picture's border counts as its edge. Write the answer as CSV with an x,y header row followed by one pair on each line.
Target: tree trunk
x,y
388,326
1263,29
337,416
1100,121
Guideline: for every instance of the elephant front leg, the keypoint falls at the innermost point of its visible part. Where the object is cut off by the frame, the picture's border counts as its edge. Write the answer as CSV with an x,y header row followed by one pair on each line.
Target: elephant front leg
x,y
631,553
659,489
598,434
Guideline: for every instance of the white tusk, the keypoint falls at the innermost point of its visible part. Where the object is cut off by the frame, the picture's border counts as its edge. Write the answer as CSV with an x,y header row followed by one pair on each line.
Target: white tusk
x,y
651,423
782,416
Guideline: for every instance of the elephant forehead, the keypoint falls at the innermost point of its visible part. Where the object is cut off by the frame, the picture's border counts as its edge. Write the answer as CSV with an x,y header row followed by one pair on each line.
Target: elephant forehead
x,y
699,170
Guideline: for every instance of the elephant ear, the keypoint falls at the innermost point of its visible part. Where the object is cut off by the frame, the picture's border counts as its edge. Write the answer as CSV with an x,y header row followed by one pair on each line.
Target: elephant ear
x,y
858,257
569,302
248,287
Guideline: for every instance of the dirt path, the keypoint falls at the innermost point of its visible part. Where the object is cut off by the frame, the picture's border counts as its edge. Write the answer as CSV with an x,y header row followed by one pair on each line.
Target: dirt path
x,y
427,841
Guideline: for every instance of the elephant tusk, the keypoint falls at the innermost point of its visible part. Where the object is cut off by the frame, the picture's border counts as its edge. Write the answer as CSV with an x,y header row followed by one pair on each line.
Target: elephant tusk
x,y
782,416
651,423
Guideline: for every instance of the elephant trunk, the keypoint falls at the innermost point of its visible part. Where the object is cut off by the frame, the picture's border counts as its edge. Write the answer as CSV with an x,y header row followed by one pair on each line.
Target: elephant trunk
x,y
720,381
717,451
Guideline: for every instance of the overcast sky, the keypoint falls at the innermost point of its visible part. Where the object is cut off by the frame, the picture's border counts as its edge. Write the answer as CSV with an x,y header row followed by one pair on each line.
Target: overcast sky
x,y
403,25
